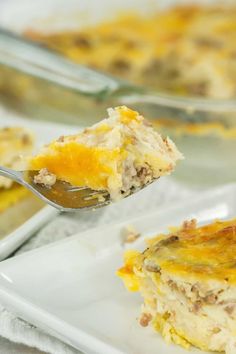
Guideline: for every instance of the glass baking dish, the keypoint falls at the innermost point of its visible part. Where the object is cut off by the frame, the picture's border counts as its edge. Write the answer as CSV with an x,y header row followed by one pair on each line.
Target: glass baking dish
x,y
70,93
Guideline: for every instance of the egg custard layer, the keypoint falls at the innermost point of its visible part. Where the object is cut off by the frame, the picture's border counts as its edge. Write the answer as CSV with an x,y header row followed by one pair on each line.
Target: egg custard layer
x,y
188,281
118,154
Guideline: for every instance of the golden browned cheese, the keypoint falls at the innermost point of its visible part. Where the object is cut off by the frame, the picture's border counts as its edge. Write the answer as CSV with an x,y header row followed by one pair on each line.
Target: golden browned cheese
x,y
202,253
187,50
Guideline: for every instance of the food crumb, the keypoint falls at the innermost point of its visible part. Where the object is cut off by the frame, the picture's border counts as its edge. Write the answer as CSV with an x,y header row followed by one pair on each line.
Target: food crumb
x,y
130,234
61,139
189,224
45,178
145,319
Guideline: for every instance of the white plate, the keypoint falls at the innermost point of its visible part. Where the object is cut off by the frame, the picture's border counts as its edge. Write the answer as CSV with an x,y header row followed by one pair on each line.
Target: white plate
x,y
70,289
43,132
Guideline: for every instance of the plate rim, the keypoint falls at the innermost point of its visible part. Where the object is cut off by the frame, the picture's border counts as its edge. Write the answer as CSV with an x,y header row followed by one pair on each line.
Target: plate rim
x,y
56,325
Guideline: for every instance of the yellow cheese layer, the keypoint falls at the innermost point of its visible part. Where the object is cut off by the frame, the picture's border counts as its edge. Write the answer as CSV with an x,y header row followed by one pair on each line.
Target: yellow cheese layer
x,y
204,253
127,272
81,164
197,129
78,164
186,50
9,197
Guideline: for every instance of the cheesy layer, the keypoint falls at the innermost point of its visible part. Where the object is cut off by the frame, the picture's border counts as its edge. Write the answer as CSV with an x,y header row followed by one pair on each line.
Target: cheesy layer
x,y
186,50
188,281
15,143
117,154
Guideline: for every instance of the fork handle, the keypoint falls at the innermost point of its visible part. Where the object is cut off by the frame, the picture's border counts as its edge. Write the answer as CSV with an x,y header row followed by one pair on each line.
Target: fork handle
x,y
12,174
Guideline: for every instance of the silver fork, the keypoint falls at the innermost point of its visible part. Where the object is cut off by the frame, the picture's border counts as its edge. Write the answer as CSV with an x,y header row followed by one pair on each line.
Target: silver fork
x,y
62,195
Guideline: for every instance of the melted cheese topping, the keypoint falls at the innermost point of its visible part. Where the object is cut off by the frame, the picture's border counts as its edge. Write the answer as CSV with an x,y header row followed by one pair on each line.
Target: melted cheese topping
x,y
127,115
187,279
82,160
127,272
78,164
117,154
207,252
187,50
179,128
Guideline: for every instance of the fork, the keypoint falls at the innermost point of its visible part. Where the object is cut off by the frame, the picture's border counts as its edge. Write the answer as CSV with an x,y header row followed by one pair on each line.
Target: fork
x,y
61,195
